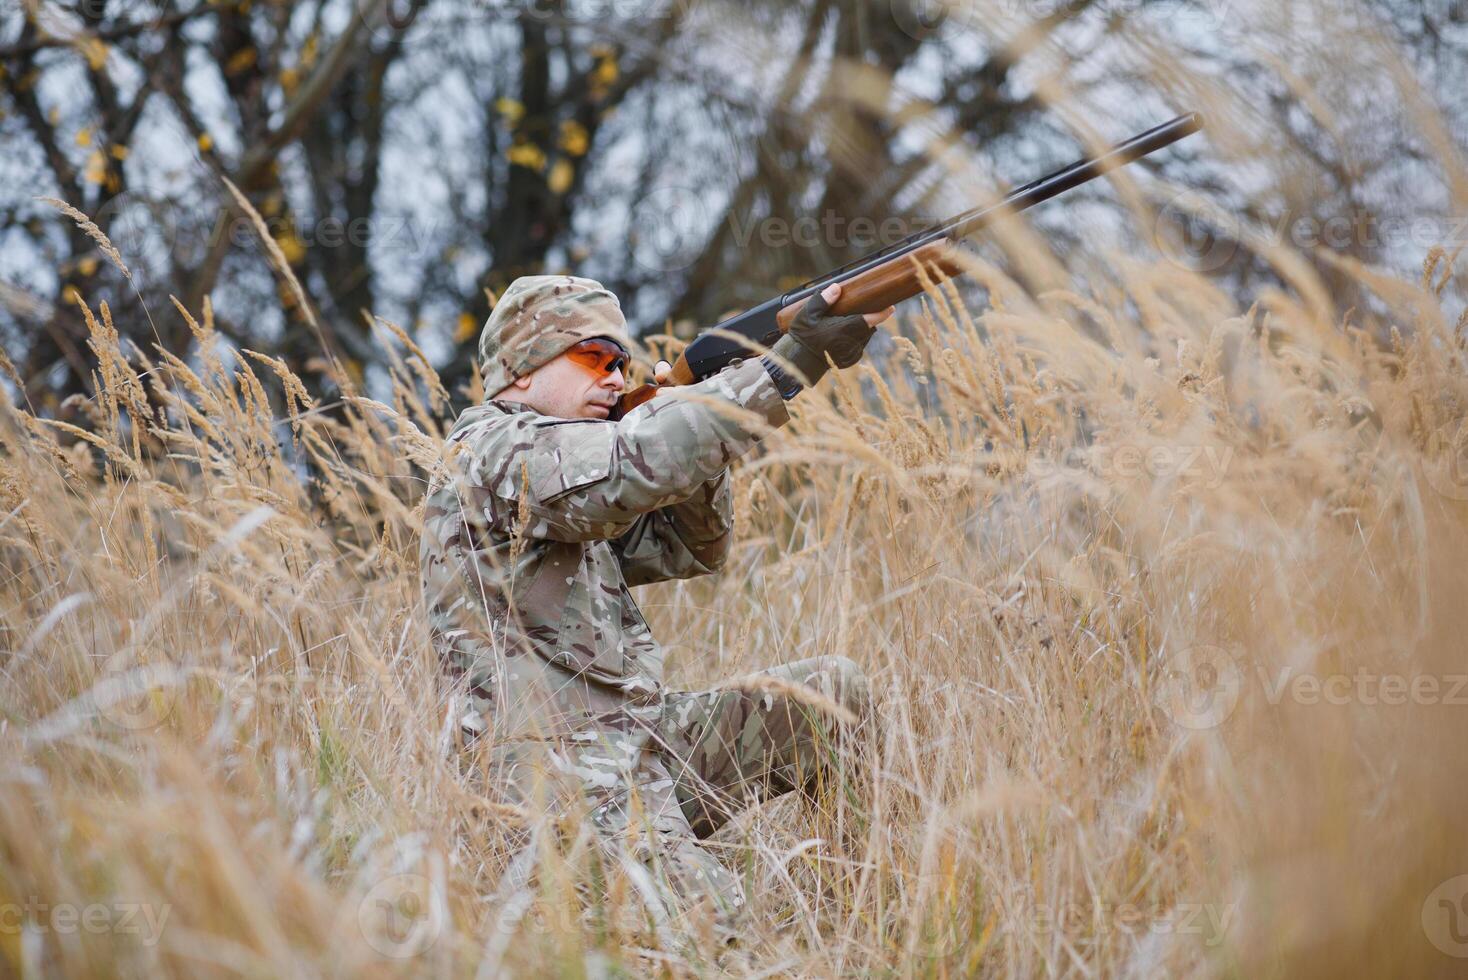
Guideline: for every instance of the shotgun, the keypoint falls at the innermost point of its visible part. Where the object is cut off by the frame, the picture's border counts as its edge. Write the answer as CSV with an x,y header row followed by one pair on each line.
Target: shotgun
x,y
876,281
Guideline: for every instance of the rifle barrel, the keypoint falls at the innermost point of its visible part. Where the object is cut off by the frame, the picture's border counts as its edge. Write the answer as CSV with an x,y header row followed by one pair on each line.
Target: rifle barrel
x,y
1021,198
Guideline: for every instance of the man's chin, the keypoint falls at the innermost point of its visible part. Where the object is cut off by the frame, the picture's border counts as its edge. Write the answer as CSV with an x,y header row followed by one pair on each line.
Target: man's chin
x,y
595,410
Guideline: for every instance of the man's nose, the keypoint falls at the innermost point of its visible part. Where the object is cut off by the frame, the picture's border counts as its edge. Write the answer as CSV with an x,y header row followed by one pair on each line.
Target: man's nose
x,y
614,380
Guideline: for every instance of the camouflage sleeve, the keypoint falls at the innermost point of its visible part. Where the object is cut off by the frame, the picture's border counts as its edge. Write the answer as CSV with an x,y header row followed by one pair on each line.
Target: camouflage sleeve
x,y
587,480
682,540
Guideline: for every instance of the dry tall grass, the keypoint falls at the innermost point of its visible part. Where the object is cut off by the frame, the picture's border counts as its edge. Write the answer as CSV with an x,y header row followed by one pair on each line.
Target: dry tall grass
x,y
1162,598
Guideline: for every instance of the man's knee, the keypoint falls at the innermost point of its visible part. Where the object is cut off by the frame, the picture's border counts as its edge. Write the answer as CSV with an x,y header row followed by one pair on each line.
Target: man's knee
x,y
840,679
848,684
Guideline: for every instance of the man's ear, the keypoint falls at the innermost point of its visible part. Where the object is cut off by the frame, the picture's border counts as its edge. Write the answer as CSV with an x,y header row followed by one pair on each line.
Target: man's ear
x,y
519,384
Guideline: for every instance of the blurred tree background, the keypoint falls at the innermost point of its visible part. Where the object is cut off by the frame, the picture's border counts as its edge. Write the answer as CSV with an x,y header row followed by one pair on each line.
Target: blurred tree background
x,y
411,157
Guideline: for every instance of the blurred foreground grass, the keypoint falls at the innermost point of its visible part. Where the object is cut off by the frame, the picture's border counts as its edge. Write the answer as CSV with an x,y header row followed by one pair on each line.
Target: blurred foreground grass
x,y
1162,597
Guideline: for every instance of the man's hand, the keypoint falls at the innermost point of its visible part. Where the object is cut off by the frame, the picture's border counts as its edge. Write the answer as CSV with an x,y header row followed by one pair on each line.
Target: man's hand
x,y
813,335
843,337
816,333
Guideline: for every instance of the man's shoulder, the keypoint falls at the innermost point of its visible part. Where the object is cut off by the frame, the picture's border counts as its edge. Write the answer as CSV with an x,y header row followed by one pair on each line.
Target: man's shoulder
x,y
509,426
486,419
501,446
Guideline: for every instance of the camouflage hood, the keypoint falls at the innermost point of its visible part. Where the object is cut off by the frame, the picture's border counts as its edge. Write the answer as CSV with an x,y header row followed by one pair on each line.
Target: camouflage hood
x,y
539,317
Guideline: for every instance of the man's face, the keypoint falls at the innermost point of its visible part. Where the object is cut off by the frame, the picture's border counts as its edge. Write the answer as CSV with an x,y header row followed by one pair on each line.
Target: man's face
x,y
582,383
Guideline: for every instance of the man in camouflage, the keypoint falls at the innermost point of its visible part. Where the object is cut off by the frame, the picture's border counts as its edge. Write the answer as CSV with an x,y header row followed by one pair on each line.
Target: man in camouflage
x,y
548,513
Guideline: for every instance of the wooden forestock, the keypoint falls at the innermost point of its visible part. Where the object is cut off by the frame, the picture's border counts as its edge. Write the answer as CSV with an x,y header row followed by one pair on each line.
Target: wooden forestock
x,y
882,286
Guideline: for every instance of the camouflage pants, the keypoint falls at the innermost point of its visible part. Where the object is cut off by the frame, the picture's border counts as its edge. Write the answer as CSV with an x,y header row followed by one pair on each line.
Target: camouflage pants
x,y
656,791
728,748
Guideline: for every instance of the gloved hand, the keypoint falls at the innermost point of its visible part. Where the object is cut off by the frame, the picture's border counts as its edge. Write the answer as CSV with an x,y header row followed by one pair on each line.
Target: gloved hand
x,y
816,333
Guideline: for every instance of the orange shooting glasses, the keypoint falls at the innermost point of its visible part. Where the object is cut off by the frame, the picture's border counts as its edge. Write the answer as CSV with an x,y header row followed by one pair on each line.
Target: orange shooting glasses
x,y
599,355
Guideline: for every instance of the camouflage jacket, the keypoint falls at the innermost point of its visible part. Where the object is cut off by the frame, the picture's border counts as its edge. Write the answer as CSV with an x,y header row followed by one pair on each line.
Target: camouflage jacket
x,y
541,524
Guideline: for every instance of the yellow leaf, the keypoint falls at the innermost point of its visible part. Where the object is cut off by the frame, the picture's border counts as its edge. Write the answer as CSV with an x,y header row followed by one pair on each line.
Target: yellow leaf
x,y
466,329
291,246
308,50
206,142
240,61
289,79
606,71
560,177
84,136
527,155
573,137
511,109
87,266
95,52
96,168
118,151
